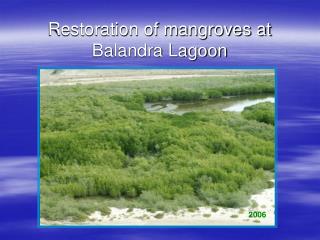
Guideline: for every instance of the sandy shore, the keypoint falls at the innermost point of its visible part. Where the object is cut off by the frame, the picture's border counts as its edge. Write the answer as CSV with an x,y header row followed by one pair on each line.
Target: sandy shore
x,y
263,202
72,77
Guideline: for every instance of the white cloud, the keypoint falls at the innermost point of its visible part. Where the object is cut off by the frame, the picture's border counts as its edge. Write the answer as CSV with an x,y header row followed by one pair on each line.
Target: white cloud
x,y
304,197
300,121
18,176
304,167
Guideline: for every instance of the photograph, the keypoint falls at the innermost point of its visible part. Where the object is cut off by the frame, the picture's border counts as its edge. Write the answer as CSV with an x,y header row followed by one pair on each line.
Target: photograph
x,y
157,147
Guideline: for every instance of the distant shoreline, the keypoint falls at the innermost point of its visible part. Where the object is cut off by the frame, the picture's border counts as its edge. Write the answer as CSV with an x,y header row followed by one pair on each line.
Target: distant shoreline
x,y
92,77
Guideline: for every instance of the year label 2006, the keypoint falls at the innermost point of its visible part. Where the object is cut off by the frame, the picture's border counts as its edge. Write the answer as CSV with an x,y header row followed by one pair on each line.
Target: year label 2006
x,y
257,214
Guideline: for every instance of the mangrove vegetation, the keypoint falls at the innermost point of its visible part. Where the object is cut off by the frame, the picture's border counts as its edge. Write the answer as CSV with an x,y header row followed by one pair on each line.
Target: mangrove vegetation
x,y
100,148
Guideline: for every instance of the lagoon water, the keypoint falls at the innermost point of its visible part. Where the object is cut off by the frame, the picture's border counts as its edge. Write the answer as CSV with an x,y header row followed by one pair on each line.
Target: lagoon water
x,y
228,104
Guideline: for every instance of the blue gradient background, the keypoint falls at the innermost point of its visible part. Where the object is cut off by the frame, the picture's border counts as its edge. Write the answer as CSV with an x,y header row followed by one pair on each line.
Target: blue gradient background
x,y
294,50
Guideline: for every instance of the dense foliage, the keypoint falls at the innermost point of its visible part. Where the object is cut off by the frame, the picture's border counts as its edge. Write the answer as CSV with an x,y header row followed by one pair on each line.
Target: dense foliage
x,y
100,148
262,112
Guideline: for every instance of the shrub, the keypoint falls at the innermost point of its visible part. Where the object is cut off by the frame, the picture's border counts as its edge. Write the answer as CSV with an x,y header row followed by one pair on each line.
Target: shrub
x,y
159,215
262,112
214,209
